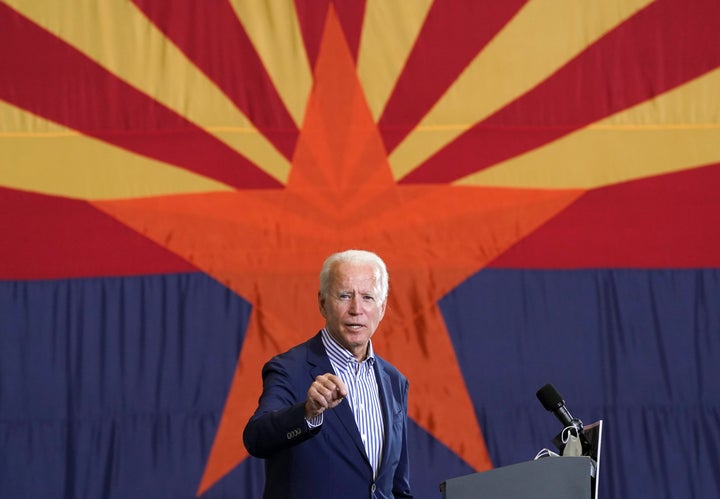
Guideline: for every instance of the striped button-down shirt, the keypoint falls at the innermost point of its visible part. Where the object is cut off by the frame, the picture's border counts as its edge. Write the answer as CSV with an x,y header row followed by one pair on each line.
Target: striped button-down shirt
x,y
363,395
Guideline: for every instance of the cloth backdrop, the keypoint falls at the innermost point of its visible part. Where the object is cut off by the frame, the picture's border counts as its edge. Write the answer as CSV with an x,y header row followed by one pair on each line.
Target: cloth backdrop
x,y
540,176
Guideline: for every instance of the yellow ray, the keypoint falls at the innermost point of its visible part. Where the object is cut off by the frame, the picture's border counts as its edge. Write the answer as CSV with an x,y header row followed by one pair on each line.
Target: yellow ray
x,y
116,35
275,33
675,131
541,38
389,32
58,161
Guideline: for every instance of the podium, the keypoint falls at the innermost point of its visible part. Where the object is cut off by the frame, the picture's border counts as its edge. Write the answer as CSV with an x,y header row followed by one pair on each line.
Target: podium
x,y
560,477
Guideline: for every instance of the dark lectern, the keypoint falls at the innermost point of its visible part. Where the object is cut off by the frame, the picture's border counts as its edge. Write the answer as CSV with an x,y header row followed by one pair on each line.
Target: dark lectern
x,y
560,477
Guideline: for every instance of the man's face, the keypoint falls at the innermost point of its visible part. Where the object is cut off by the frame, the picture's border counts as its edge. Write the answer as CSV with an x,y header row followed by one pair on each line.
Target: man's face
x,y
353,307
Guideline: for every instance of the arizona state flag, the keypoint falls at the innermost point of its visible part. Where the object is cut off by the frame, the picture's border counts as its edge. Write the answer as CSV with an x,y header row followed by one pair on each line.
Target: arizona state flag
x,y
540,176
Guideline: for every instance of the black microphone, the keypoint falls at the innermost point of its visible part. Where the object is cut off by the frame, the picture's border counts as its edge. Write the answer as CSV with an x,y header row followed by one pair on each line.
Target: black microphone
x,y
553,402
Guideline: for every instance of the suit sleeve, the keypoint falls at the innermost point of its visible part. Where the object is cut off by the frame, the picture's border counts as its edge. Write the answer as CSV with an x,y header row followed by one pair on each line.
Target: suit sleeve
x,y
279,421
401,480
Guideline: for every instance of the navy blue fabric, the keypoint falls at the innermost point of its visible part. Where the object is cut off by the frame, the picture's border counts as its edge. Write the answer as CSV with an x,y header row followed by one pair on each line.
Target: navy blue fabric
x,y
114,387
639,349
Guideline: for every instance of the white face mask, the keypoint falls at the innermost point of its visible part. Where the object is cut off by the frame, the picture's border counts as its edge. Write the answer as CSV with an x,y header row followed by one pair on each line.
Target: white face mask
x,y
573,446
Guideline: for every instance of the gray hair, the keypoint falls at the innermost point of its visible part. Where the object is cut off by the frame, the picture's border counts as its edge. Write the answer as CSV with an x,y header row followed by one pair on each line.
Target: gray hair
x,y
355,256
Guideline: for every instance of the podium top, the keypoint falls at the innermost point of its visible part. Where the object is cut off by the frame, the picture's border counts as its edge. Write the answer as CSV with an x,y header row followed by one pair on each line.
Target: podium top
x,y
556,477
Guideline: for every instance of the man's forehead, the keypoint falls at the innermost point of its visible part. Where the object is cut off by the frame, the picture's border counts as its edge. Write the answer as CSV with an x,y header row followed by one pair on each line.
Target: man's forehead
x,y
356,284
366,283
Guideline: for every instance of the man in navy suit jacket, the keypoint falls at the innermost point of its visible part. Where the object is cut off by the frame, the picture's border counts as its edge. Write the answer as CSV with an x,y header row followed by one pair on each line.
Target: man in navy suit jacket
x,y
332,419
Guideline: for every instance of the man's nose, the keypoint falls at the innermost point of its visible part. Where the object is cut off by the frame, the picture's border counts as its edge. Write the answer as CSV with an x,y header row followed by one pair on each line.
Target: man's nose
x,y
356,305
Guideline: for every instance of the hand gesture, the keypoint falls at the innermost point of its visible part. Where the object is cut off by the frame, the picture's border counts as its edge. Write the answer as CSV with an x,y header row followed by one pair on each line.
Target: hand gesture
x,y
326,392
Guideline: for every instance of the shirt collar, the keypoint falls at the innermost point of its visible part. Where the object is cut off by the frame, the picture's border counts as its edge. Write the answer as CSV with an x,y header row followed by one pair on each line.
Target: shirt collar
x,y
336,350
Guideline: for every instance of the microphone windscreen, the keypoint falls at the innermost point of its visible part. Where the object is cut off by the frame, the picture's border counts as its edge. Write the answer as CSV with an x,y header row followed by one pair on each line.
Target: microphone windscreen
x,y
550,398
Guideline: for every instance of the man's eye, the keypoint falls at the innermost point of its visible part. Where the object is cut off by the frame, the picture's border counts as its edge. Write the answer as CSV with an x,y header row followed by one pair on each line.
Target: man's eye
x,y
344,296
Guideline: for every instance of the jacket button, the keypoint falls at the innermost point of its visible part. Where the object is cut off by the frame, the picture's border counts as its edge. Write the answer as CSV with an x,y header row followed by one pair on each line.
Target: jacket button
x,y
372,488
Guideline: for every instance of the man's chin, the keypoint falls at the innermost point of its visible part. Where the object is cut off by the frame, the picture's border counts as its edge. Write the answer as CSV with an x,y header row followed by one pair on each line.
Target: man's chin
x,y
354,340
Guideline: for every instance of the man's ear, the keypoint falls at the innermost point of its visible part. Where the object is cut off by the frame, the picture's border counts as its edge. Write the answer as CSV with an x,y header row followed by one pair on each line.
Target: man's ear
x,y
321,304
382,309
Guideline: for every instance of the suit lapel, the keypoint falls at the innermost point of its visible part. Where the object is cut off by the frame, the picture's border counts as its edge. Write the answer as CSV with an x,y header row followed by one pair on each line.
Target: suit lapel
x,y
388,407
320,364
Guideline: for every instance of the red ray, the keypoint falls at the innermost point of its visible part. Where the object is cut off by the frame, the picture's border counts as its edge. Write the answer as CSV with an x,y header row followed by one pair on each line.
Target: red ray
x,y
438,57
668,43
48,77
350,16
211,35
311,14
670,221
268,246
47,237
